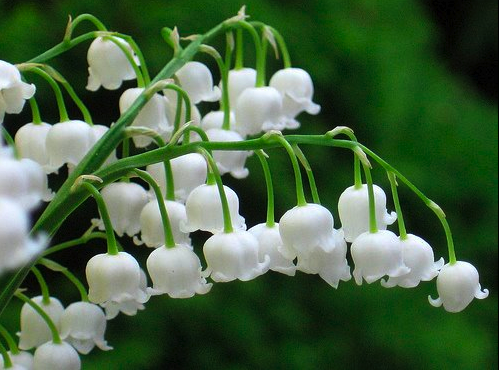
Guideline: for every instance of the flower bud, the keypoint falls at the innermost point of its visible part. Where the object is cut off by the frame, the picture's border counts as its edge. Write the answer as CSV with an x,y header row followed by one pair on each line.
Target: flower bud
x,y
13,91
56,356
196,79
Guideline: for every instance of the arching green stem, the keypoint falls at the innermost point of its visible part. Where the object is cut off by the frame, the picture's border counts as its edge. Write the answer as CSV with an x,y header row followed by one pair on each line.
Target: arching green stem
x,y
73,23
136,49
280,41
129,56
10,340
7,362
239,64
35,111
43,285
398,209
310,173
73,243
87,117
54,266
373,226
270,188
169,180
259,53
182,96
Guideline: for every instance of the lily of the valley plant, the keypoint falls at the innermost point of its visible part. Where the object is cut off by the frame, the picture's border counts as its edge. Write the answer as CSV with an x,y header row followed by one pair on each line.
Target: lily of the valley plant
x,y
172,186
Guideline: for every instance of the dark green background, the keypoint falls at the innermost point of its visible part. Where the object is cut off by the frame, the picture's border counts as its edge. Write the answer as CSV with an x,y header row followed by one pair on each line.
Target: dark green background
x,y
413,82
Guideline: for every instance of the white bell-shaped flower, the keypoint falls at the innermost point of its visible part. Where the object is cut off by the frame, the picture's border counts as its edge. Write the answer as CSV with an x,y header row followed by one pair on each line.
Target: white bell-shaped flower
x,y
204,210
457,285
376,255
13,91
229,161
14,181
240,80
67,143
56,356
98,132
34,330
189,172
108,64
418,256
153,115
258,109
115,282
297,89
332,266
16,246
215,119
177,272
151,223
196,79
21,361
38,188
30,142
83,325
270,243
234,255
124,201
353,209
304,228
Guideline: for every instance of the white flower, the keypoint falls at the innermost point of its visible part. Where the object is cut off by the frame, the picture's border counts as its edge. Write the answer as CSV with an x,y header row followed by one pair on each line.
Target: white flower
x,y
215,119
67,143
151,223
258,109
196,79
304,228
124,201
114,283
54,356
457,285
22,361
34,330
30,142
332,266
270,242
83,325
204,210
418,256
240,80
13,91
153,115
38,188
108,64
234,255
297,90
376,255
353,209
229,161
177,272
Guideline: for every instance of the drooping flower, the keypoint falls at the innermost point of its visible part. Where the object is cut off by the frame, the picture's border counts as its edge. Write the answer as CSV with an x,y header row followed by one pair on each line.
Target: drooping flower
x,y
13,91
38,188
83,325
30,142
353,209
240,80
215,119
196,79
418,256
234,255
21,361
457,285
108,64
177,272
114,283
376,255
56,356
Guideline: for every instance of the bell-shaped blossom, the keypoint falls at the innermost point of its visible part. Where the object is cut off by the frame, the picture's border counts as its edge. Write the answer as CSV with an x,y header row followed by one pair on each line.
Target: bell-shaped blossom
x,y
14,181
240,80
332,266
16,246
153,115
67,143
56,356
108,64
83,325
215,119
258,109
176,271
457,285
30,142
204,210
38,188
151,223
234,255
376,255
304,228
229,161
196,79
353,209
21,361
114,283
34,330
13,91
270,243
98,132
189,172
297,89
418,256
124,201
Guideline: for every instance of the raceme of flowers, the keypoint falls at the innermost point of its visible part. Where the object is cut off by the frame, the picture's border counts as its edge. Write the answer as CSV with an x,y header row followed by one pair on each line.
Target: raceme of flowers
x,y
162,204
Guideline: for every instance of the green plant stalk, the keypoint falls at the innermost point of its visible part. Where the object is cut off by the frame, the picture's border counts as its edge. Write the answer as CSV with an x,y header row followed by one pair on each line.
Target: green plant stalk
x,y
35,111
69,275
398,208
280,41
140,55
169,180
239,64
10,141
73,243
270,188
6,358
14,349
43,285
310,173
182,94
259,53
373,227
167,227
87,117
83,17
224,73
141,82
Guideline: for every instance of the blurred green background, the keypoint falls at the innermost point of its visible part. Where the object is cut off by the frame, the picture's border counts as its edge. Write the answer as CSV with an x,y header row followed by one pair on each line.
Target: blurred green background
x,y
417,81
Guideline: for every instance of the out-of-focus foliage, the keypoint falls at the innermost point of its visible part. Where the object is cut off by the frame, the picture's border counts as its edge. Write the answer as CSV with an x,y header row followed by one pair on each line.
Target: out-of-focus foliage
x,y
377,70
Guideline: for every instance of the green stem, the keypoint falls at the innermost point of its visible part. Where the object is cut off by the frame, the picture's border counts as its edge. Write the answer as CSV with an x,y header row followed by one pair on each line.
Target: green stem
x,y
43,285
187,104
239,64
35,111
280,41
270,188
53,329
373,227
259,53
69,275
7,362
170,181
83,17
112,248
398,208
310,173
140,55
357,173
167,228
87,117
10,141
129,56
73,243
10,340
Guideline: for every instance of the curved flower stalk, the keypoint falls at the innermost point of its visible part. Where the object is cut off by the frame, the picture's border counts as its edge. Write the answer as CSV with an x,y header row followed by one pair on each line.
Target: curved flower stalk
x,y
21,361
